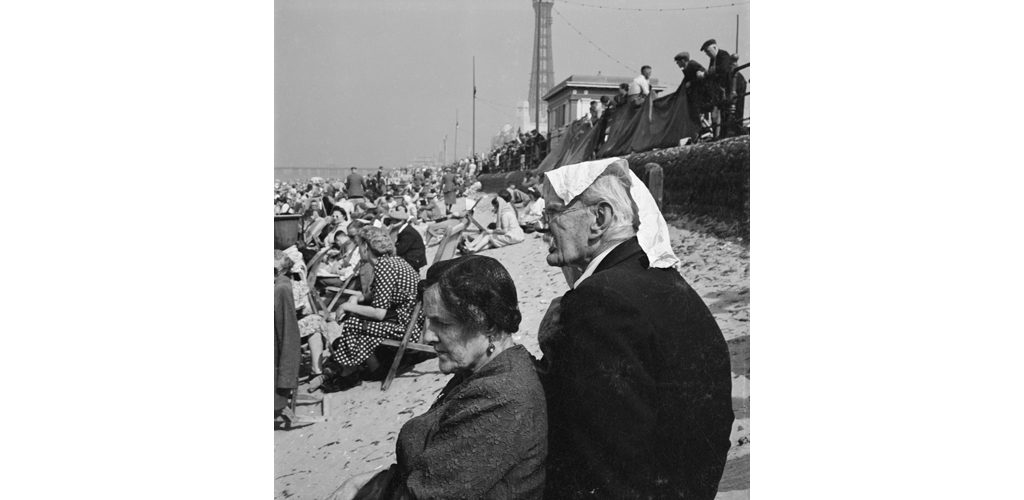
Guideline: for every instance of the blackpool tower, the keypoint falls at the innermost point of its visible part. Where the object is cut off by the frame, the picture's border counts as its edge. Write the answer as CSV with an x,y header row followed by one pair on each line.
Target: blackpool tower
x,y
542,72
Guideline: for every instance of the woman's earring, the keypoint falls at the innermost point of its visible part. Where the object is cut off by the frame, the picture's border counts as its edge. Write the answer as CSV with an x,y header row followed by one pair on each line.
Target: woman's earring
x,y
490,348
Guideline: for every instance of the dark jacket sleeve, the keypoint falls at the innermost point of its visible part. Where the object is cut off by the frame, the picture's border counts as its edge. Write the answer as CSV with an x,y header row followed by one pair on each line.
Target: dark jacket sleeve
x,y
721,68
287,339
691,70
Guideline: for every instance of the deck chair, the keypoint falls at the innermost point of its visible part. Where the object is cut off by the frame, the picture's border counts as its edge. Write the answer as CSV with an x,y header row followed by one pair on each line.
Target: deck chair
x,y
315,301
339,292
317,304
445,251
470,217
307,399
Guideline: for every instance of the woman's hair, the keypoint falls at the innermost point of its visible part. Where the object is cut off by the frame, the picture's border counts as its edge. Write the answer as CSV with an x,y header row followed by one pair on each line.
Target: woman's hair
x,y
505,195
282,261
378,240
477,291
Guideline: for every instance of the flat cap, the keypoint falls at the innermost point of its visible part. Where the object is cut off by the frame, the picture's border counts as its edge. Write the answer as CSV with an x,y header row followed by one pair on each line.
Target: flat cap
x,y
707,43
682,55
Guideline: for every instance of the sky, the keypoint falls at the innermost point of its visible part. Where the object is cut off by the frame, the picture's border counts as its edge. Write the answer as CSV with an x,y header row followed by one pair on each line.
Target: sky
x,y
378,82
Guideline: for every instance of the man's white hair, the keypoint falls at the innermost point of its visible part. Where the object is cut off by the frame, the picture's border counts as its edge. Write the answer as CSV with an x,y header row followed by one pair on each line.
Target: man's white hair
x,y
612,187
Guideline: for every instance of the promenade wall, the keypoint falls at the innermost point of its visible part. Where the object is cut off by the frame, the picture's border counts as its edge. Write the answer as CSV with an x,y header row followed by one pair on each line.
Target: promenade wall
x,y
706,180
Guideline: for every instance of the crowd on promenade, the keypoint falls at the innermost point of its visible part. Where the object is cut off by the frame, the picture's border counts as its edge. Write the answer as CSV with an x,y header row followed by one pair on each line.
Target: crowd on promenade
x,y
715,95
508,425
524,152
716,98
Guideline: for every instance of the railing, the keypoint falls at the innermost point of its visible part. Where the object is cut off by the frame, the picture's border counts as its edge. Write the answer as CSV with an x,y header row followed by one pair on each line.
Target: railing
x,y
733,92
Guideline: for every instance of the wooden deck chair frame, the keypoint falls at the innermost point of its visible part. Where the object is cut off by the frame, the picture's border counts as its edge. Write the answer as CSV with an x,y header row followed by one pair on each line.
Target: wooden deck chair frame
x,y
445,251
314,298
317,305
308,399
471,216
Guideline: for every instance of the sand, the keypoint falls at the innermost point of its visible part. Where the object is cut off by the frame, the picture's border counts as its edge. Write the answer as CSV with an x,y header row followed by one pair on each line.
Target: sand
x,y
311,462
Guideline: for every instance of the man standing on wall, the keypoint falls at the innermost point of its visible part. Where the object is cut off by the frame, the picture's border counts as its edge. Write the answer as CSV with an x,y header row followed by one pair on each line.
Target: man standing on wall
x,y
719,75
641,86
697,95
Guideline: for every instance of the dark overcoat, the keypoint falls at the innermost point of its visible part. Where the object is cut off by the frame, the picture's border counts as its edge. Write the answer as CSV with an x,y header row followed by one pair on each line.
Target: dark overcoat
x,y
637,378
286,339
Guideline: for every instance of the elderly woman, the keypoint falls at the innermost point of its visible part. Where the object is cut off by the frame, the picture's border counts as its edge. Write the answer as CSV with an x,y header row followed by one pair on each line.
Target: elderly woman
x,y
506,231
486,435
386,313
286,336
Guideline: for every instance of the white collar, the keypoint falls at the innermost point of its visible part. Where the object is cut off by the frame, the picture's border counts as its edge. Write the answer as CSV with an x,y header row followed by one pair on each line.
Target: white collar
x,y
594,263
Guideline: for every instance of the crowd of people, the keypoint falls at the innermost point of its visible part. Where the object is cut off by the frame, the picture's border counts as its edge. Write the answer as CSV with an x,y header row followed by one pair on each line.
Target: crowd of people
x,y
319,197
524,152
631,398
715,95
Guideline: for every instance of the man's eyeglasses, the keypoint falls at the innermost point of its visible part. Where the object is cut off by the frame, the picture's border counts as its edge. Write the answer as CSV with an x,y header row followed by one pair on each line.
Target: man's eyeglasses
x,y
549,215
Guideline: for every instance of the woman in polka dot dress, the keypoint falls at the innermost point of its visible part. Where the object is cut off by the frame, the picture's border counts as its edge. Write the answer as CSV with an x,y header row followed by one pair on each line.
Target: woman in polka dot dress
x,y
386,315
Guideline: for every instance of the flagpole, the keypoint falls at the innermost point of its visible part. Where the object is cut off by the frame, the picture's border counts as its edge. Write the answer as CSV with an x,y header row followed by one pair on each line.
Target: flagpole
x,y
455,157
737,35
536,100
474,108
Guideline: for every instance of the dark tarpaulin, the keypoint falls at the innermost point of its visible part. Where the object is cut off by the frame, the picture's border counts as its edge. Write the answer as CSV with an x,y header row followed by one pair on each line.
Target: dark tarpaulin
x,y
657,123
573,148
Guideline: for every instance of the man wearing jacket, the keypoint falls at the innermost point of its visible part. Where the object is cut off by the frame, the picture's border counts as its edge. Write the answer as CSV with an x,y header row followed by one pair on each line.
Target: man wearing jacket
x,y
719,75
408,242
635,370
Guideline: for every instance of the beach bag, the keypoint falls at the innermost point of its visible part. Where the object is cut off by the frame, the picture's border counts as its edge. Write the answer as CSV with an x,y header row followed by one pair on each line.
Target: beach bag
x,y
334,381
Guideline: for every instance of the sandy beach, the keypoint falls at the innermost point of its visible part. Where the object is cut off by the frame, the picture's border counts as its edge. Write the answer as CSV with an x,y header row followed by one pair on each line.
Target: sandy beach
x,y
312,461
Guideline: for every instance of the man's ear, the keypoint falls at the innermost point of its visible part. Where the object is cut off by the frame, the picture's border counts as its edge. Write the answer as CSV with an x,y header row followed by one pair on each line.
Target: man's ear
x,y
603,220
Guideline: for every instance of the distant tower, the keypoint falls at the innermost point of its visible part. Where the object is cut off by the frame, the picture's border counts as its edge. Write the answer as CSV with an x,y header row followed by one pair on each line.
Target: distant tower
x,y
543,66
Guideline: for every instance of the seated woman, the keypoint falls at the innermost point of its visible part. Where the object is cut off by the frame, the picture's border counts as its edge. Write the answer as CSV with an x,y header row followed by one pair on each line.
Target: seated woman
x,y
342,260
532,213
506,231
486,435
386,313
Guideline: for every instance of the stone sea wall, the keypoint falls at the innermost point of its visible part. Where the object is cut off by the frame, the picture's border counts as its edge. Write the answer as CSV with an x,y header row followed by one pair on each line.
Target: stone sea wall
x,y
708,181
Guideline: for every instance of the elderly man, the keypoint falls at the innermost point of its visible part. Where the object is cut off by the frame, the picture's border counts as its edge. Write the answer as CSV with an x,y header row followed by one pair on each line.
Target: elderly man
x,y
635,369
719,75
